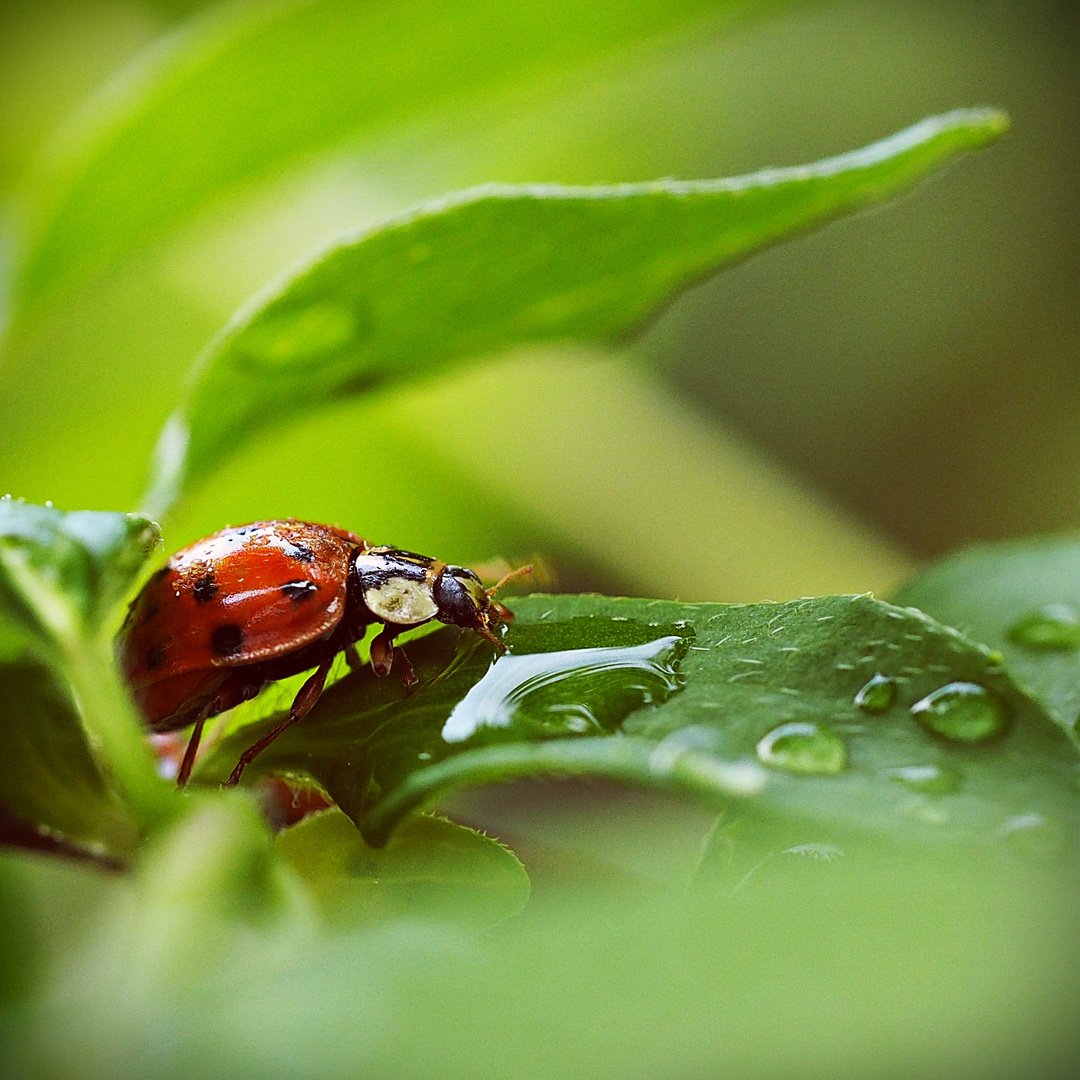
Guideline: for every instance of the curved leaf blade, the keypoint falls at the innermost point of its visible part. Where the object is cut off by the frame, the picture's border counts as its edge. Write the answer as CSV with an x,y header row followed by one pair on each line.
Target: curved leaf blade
x,y
430,867
746,670
49,777
503,266
62,575
987,590
251,87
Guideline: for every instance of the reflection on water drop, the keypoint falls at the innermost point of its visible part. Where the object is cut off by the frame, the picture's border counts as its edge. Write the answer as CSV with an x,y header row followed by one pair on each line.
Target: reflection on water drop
x,y
1051,628
926,779
962,712
803,748
303,336
877,695
574,691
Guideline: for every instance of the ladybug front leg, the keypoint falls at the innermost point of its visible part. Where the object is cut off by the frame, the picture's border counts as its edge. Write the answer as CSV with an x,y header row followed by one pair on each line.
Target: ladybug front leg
x,y
301,706
382,657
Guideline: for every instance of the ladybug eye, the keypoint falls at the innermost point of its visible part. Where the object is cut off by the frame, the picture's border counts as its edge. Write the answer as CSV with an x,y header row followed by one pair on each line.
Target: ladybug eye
x,y
460,596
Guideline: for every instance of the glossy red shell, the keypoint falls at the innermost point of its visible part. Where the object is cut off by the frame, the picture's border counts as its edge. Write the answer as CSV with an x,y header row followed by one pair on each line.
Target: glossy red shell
x,y
238,597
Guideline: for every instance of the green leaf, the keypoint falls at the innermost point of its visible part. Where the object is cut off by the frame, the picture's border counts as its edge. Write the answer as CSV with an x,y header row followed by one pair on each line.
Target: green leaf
x,y
61,577
49,777
431,867
250,88
502,266
62,573
687,698
1022,599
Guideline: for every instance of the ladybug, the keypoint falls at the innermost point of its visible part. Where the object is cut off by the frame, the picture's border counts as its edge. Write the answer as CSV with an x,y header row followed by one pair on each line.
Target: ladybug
x,y
250,605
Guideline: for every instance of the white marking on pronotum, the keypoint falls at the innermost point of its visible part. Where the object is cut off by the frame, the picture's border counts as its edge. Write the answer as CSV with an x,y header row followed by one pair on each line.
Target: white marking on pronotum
x,y
399,600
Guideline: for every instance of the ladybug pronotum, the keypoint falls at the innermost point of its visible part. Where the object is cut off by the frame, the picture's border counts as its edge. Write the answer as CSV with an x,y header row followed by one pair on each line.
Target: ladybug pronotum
x,y
247,606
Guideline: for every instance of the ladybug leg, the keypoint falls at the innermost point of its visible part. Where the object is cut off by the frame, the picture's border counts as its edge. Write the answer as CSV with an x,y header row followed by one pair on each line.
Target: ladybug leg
x,y
382,650
301,706
193,746
352,658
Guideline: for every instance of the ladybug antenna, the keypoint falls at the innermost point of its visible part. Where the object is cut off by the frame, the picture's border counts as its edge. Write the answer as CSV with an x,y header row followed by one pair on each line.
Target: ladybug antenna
x,y
521,571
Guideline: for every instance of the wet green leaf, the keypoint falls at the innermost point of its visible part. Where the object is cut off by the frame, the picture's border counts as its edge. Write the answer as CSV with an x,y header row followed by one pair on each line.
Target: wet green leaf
x,y
430,868
687,698
61,577
49,777
250,88
1022,599
504,266
62,573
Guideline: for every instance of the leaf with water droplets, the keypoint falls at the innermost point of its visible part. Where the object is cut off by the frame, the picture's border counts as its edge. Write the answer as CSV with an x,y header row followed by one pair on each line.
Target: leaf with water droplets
x,y
1023,599
691,699
499,267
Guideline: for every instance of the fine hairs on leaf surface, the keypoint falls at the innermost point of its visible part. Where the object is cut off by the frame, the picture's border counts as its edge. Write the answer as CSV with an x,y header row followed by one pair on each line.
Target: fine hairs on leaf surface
x,y
505,266
722,678
1023,599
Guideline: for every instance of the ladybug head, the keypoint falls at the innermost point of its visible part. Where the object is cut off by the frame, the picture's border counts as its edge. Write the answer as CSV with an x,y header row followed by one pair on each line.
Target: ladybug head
x,y
463,601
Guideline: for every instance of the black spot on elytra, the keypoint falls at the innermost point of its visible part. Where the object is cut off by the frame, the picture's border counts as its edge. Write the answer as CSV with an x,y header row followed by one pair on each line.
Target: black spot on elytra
x,y
298,591
149,613
205,589
300,553
226,640
155,657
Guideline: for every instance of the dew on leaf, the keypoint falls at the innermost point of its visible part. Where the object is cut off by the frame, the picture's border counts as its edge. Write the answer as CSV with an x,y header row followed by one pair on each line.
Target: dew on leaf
x,y
1050,628
572,691
803,748
926,779
877,695
962,712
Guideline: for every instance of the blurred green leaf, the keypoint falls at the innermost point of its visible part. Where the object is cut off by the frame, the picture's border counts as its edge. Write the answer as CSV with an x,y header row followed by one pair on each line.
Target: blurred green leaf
x,y
252,87
61,577
939,967
692,695
502,266
49,777
1022,599
431,868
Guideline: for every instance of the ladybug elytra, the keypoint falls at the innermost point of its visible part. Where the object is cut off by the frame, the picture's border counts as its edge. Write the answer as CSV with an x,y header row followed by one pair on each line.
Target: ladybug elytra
x,y
250,605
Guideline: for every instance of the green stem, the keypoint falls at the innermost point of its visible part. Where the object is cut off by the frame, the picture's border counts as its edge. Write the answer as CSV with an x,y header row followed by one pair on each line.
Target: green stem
x,y
628,760
116,733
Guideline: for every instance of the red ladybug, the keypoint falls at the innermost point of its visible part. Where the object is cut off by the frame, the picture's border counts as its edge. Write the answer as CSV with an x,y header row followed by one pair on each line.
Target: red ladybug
x,y
250,605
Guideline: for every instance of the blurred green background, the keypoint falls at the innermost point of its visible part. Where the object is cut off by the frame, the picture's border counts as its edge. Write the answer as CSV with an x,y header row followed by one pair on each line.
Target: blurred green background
x,y
818,420
814,421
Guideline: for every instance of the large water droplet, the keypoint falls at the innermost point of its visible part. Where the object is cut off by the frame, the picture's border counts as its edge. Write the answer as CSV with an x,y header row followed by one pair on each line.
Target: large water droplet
x,y
803,748
962,712
571,691
1051,628
877,695
926,779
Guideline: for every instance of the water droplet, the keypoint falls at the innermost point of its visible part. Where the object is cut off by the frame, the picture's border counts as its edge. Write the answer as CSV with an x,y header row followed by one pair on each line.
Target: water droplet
x,y
1051,628
877,695
307,335
926,779
570,691
1032,836
803,748
818,852
962,712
